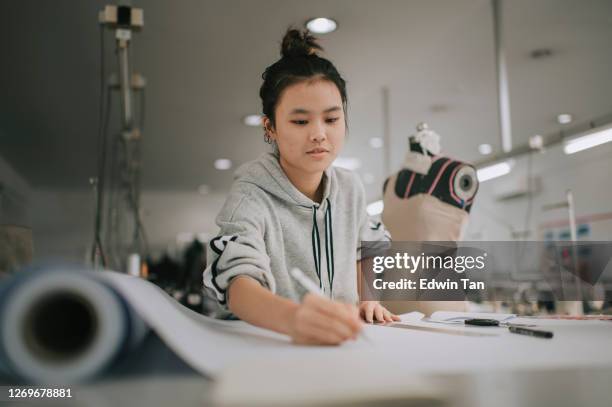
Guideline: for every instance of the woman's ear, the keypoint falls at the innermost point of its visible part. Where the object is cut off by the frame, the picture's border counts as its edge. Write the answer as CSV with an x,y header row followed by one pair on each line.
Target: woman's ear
x,y
268,128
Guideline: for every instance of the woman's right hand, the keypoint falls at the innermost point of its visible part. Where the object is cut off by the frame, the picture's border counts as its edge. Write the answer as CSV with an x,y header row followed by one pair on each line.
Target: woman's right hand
x,y
320,321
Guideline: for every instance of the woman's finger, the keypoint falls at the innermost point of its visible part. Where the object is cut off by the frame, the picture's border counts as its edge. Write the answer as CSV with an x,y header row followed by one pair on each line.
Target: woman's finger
x,y
378,312
320,329
355,316
368,311
335,311
368,314
340,328
348,315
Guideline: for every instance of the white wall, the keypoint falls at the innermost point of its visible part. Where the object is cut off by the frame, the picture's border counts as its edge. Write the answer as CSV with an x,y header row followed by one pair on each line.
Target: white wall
x,y
588,174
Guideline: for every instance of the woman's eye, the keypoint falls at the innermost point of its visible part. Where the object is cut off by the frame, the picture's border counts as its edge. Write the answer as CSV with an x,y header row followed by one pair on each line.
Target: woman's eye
x,y
332,119
299,122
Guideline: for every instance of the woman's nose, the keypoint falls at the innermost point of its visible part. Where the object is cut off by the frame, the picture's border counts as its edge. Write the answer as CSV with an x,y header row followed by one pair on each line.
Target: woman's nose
x,y
317,133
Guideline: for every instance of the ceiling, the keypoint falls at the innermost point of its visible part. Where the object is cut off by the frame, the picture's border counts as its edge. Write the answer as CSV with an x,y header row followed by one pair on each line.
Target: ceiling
x,y
203,62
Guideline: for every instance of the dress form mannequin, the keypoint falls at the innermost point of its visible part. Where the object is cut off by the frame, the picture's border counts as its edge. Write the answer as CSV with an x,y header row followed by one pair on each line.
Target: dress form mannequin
x,y
429,199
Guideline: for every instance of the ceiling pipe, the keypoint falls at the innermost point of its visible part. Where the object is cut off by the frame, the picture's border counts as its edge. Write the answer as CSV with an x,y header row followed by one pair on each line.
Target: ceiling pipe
x,y
386,131
549,140
503,93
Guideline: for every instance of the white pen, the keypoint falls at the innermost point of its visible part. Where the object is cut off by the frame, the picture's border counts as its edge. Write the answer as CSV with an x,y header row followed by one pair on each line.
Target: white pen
x,y
305,282
299,276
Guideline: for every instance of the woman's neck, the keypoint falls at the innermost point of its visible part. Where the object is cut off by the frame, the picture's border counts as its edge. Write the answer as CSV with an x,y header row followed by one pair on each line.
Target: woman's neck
x,y
307,183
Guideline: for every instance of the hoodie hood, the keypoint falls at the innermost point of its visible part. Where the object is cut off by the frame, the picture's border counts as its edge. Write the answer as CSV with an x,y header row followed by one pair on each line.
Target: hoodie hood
x,y
267,174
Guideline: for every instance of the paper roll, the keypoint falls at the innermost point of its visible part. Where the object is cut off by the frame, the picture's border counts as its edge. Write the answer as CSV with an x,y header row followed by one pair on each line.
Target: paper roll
x,y
63,325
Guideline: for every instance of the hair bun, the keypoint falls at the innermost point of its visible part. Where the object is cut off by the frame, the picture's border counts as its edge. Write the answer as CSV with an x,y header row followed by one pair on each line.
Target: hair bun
x,y
299,44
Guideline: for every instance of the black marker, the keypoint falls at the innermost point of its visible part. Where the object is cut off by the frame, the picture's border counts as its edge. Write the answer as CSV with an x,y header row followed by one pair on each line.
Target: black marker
x,y
481,322
530,332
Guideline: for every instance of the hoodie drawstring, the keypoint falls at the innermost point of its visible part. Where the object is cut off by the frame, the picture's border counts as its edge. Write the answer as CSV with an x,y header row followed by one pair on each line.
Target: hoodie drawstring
x,y
329,245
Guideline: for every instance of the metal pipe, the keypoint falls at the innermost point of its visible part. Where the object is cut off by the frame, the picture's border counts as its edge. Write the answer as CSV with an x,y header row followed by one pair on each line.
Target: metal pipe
x,y
547,141
123,40
571,211
386,131
502,79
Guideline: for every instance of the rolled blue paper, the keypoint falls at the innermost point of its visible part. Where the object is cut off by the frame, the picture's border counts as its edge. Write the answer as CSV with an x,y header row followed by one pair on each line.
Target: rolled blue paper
x,y
114,327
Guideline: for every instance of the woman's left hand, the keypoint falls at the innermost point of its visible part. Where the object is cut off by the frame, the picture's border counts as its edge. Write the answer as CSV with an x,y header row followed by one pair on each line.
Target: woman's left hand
x,y
372,311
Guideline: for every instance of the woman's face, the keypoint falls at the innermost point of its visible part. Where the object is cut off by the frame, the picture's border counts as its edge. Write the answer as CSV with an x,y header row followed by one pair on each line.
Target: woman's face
x,y
310,125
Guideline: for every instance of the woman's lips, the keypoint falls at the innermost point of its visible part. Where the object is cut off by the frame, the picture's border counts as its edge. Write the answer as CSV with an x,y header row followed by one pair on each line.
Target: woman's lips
x,y
317,152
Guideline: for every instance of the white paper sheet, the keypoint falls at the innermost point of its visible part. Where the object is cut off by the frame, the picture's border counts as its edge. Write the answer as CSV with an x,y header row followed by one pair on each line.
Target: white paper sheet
x,y
211,345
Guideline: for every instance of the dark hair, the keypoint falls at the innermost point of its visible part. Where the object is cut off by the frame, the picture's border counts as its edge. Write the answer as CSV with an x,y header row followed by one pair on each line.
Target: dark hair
x,y
299,62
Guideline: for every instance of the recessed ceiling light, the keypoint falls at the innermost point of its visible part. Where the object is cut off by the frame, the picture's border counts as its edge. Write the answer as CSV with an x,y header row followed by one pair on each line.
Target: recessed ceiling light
x,y
223,164
485,149
321,25
350,163
253,120
564,118
376,142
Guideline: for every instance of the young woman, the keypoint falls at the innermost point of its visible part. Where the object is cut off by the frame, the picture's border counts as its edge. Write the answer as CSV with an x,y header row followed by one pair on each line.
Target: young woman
x,y
292,208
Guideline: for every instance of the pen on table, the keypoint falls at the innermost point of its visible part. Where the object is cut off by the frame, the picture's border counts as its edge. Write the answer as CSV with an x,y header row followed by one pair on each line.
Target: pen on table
x,y
530,332
299,276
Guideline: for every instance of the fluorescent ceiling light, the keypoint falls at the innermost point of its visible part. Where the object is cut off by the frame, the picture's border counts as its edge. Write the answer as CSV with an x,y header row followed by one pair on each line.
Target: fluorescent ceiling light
x,y
593,138
485,149
375,208
253,120
376,142
223,164
321,25
494,171
350,163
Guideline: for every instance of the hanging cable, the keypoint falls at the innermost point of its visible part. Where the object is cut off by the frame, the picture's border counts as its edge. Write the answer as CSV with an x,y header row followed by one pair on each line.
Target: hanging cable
x,y
103,115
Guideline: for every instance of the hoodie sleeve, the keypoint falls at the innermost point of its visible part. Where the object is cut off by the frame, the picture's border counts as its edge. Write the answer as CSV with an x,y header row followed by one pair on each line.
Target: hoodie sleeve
x,y
238,250
373,236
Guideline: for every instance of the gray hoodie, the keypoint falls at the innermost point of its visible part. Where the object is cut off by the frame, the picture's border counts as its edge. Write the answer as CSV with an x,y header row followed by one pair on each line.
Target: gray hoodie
x,y
267,227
